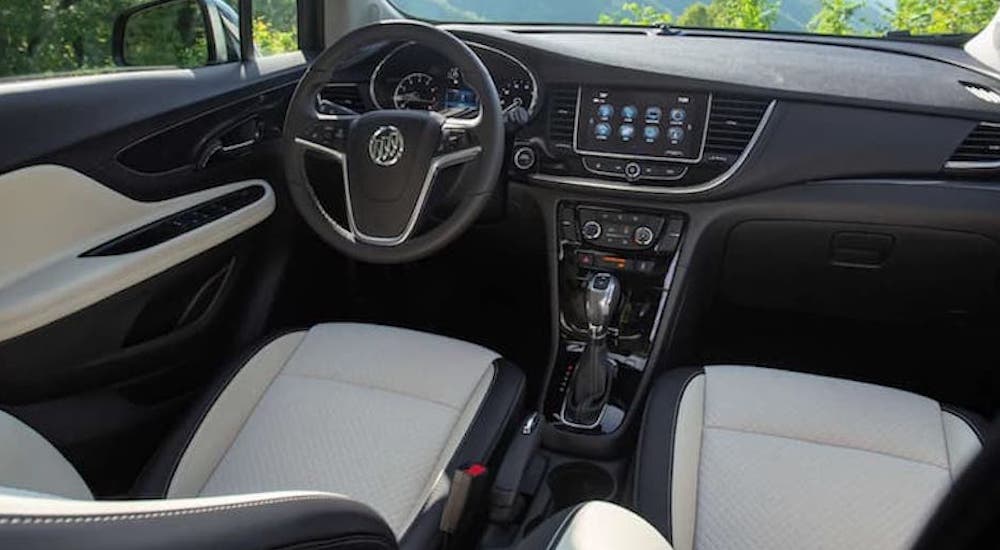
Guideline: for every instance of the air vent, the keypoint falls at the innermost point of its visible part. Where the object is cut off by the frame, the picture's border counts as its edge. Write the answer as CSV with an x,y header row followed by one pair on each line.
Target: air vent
x,y
984,93
344,95
562,115
981,149
732,125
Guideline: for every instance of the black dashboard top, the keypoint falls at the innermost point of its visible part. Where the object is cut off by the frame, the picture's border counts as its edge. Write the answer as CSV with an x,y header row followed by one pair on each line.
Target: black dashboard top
x,y
839,72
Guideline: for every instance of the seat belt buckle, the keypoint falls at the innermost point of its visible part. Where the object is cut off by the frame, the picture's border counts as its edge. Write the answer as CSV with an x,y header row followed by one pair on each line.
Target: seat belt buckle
x,y
467,487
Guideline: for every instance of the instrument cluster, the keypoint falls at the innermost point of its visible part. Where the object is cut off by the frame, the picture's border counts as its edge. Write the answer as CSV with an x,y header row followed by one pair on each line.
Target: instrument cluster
x,y
413,76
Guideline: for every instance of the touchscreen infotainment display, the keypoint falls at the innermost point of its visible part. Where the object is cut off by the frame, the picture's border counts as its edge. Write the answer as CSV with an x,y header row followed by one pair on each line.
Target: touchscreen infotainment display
x,y
641,124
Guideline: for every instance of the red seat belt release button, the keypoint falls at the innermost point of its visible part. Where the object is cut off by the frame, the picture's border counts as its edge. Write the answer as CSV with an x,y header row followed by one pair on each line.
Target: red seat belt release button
x,y
465,485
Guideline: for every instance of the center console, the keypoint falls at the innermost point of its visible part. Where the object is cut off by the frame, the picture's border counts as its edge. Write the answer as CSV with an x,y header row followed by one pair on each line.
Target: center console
x,y
615,269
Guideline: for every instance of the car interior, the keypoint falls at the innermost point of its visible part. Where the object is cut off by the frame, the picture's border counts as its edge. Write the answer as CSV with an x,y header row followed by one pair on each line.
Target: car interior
x,y
433,283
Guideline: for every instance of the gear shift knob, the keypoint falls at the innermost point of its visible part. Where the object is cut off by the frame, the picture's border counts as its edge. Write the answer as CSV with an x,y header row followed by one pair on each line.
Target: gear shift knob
x,y
603,295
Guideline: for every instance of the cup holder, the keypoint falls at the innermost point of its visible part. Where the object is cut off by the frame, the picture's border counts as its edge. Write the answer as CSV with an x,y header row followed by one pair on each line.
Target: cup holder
x,y
576,482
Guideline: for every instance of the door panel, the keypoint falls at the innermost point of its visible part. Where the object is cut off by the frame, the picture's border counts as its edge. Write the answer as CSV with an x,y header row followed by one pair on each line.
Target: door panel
x,y
50,216
112,318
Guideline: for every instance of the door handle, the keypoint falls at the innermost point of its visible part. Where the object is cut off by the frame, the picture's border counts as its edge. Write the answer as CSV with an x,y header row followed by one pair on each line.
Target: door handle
x,y
231,143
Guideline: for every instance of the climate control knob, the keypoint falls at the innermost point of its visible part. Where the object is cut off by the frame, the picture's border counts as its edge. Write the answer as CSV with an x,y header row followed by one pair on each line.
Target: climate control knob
x,y
643,236
591,230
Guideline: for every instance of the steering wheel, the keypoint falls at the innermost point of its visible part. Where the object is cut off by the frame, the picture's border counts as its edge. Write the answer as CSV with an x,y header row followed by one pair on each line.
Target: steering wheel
x,y
390,159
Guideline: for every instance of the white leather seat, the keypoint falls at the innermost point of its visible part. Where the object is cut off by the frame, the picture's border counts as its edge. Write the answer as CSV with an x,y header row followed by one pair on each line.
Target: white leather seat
x,y
381,415
746,458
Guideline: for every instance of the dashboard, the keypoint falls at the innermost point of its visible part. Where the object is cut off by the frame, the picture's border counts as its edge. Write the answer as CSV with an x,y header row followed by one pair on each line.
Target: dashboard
x,y
701,114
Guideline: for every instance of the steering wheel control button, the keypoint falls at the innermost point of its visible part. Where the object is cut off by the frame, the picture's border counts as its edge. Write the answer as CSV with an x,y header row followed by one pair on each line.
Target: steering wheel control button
x,y
633,171
592,230
643,236
524,158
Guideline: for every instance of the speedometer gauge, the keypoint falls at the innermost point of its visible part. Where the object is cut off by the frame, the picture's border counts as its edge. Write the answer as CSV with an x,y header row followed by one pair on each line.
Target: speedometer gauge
x,y
516,93
416,91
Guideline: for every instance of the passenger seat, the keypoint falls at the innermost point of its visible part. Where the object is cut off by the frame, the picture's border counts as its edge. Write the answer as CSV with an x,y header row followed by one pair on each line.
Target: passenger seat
x,y
748,457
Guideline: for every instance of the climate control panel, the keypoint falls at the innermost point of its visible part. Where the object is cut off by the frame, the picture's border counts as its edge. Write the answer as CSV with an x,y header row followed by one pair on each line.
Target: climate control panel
x,y
619,230
595,227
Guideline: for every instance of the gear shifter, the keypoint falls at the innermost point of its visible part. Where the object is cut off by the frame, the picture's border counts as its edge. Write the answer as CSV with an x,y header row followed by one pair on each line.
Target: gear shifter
x,y
591,383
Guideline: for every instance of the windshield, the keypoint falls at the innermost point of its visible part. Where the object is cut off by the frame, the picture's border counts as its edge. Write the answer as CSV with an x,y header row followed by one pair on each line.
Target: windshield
x,y
832,17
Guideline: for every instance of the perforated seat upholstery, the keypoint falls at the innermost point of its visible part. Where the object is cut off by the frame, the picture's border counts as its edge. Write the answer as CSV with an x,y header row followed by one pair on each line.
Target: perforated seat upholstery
x,y
746,457
381,415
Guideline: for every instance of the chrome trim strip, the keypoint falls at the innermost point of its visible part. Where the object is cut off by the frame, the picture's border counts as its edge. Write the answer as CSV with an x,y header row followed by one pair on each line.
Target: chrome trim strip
x,y
378,68
322,116
571,424
668,282
701,152
699,188
342,159
972,164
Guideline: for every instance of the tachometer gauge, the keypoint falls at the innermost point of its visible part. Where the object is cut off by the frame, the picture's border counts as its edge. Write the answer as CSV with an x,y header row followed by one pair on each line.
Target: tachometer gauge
x,y
416,91
516,93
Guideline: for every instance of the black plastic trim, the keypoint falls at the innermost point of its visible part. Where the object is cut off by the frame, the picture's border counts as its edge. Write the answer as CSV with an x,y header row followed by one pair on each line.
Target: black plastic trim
x,y
175,225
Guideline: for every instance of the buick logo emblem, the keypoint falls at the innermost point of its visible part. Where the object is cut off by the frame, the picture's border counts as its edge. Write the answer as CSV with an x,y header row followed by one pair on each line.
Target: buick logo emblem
x,y
386,146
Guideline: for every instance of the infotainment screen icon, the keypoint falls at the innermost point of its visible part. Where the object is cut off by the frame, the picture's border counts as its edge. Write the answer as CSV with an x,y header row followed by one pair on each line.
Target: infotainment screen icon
x,y
649,124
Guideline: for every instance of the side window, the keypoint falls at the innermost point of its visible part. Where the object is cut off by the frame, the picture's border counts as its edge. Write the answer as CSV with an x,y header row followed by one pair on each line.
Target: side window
x,y
40,38
275,26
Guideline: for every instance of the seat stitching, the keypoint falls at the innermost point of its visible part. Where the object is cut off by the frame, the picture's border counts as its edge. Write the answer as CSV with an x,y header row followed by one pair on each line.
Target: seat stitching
x,y
825,443
131,516
372,387
947,451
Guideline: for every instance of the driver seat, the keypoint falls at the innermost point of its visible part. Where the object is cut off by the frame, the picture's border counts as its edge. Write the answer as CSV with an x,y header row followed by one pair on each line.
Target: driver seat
x,y
382,415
